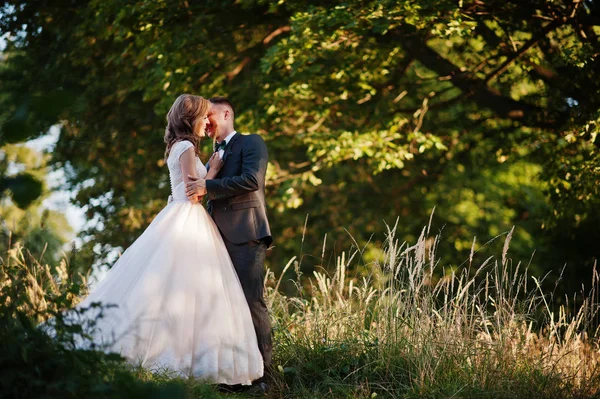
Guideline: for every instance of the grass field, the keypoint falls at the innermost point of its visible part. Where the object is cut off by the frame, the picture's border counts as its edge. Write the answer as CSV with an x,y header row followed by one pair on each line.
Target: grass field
x,y
409,329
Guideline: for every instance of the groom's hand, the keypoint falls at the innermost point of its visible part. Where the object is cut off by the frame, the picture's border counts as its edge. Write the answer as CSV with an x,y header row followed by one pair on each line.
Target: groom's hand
x,y
196,188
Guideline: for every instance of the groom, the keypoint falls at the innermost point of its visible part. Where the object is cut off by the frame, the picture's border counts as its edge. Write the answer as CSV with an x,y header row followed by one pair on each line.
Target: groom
x,y
236,201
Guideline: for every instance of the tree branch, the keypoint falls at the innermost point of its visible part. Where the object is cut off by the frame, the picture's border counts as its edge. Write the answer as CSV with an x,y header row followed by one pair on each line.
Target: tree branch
x,y
259,47
530,43
472,86
275,33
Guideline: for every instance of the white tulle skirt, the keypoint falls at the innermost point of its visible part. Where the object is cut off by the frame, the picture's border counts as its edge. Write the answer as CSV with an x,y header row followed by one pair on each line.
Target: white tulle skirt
x,y
179,302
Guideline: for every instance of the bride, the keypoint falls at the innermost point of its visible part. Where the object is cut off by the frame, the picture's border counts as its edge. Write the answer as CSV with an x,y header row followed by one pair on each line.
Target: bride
x,y
179,302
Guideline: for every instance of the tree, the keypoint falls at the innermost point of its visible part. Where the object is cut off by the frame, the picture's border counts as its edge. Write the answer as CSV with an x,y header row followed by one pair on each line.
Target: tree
x,y
371,110
41,231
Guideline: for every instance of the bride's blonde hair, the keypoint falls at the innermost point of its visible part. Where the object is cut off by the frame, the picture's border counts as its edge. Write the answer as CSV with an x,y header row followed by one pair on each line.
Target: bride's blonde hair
x,y
181,119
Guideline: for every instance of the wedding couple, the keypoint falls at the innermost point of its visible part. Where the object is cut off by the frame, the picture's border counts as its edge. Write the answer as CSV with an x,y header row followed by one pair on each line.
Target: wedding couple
x,y
189,290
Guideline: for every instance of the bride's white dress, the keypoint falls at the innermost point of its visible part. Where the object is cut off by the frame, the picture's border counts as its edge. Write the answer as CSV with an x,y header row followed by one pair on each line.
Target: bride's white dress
x,y
180,305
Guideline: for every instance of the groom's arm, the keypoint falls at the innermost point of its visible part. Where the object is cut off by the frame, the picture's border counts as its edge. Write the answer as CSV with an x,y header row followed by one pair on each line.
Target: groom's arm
x,y
254,165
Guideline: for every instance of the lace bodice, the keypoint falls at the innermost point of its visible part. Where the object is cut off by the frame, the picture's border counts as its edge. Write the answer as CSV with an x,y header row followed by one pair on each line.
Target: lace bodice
x,y
177,183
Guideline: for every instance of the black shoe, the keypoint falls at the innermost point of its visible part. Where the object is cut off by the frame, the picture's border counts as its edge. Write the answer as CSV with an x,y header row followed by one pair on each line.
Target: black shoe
x,y
224,388
258,389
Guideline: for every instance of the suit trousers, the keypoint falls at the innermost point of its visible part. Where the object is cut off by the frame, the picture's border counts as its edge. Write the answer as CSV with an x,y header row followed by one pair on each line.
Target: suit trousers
x,y
248,260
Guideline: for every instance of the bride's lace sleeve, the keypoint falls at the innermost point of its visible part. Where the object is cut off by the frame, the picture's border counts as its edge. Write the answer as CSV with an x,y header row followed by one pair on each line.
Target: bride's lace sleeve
x,y
179,148
174,163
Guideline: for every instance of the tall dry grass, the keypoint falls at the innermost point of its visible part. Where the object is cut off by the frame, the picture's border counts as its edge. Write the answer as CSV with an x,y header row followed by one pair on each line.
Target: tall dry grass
x,y
37,284
410,329
483,330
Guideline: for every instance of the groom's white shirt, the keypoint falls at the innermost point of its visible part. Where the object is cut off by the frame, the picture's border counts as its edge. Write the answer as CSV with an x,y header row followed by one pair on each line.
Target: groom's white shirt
x,y
227,139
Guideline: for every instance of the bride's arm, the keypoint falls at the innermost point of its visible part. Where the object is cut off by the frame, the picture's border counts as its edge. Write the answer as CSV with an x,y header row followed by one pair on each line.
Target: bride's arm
x,y
187,161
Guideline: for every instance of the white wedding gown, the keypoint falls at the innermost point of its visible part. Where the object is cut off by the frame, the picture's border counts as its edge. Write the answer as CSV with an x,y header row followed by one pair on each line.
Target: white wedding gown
x,y
180,305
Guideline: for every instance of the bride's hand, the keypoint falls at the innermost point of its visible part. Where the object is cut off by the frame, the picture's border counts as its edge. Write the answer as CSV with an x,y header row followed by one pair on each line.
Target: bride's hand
x,y
215,162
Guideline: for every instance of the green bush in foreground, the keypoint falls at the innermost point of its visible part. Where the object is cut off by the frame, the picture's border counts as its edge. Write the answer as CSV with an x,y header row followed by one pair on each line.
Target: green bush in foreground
x,y
482,331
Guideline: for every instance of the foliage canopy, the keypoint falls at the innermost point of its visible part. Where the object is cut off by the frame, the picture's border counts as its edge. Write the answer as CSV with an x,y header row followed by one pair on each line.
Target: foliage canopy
x,y
372,110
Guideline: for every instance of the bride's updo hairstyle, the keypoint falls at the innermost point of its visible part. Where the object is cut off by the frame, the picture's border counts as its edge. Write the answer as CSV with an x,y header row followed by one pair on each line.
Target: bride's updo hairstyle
x,y
182,117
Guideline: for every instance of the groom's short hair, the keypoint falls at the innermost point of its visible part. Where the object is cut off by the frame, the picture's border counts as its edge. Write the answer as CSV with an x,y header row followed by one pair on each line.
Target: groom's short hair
x,y
222,101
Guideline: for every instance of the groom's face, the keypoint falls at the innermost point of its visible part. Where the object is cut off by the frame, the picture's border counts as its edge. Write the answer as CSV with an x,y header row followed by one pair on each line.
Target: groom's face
x,y
216,120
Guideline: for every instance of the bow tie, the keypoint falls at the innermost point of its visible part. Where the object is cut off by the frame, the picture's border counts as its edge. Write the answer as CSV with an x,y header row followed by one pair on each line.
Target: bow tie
x,y
221,145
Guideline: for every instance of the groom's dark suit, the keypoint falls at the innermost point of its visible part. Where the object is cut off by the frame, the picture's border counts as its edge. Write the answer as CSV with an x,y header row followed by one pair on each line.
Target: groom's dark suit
x,y
237,204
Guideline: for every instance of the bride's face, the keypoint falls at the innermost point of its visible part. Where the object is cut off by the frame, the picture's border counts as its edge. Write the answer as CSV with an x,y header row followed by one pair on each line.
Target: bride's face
x,y
200,127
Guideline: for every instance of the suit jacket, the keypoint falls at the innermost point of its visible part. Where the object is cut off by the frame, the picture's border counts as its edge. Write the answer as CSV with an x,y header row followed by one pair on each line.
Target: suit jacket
x,y
236,197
